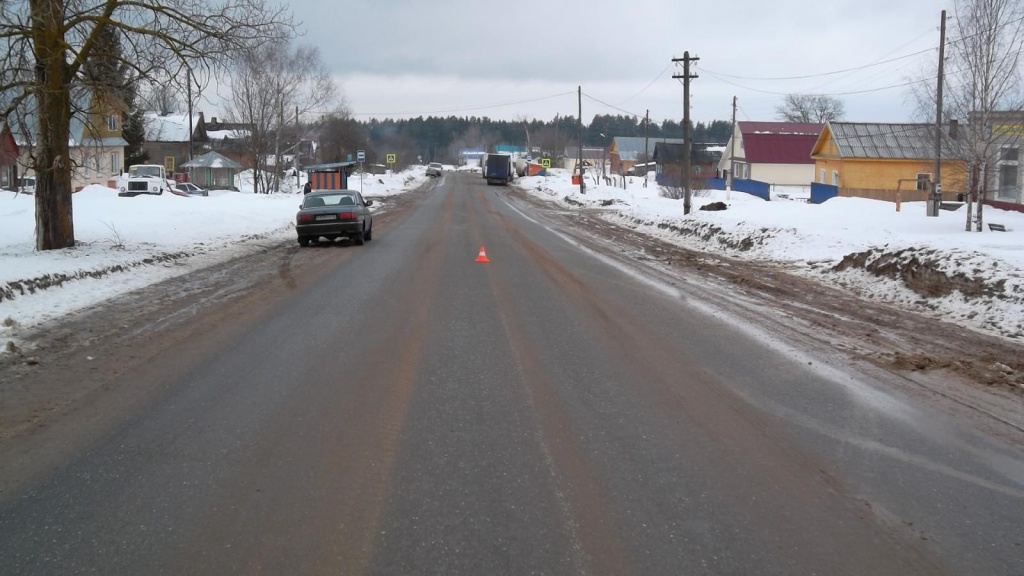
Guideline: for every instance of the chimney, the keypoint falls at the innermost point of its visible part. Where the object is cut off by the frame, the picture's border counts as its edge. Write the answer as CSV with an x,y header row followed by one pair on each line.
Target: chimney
x,y
213,119
954,126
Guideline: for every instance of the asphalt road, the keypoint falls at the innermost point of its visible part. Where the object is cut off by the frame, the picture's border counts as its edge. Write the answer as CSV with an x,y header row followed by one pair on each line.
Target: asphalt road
x,y
412,411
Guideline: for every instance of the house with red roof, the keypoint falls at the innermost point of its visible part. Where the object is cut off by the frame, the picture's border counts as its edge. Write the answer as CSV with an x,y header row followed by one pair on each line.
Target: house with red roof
x,y
778,153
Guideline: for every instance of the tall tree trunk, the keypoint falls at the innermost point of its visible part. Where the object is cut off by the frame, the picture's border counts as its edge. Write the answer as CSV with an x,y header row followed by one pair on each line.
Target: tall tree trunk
x,y
981,195
54,222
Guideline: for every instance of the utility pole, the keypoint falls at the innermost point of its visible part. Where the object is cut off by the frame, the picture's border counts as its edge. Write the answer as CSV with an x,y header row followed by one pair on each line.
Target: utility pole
x,y
579,96
686,76
933,206
298,140
190,127
647,136
732,150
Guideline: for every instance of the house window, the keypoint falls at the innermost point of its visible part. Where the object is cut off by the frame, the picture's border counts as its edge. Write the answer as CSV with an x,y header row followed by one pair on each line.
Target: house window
x,y
87,165
112,122
115,163
835,177
1007,182
1007,189
924,181
821,176
169,163
96,164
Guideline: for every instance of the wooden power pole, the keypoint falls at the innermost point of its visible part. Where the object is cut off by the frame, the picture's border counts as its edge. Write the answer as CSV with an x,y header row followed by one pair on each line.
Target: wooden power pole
x,y
936,199
687,144
579,164
647,146
732,151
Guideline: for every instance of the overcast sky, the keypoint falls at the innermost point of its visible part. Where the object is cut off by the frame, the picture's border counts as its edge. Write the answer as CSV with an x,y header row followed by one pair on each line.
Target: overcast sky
x,y
400,58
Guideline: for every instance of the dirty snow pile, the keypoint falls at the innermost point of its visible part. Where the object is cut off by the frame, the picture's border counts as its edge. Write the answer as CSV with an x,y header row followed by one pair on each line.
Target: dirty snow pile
x,y
124,244
903,258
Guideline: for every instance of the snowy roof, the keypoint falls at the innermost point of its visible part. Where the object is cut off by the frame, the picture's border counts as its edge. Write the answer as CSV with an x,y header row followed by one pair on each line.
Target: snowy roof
x,y
169,128
213,160
810,129
229,134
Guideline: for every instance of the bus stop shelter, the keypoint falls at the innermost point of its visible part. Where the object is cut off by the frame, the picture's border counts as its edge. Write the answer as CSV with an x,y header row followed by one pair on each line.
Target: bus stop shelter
x,y
332,176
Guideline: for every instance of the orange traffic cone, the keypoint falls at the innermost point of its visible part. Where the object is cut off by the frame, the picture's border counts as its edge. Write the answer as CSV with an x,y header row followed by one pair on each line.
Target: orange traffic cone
x,y
482,256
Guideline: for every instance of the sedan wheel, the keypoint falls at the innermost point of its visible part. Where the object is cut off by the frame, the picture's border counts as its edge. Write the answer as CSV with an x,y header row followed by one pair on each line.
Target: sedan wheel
x,y
369,233
303,241
358,239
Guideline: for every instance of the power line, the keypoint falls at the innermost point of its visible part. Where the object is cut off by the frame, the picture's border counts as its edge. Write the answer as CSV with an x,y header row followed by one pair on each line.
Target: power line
x,y
649,84
722,75
806,76
589,97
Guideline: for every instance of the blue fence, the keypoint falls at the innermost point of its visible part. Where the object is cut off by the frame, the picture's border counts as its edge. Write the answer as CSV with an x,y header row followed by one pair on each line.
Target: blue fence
x,y
762,190
822,192
754,187
716,183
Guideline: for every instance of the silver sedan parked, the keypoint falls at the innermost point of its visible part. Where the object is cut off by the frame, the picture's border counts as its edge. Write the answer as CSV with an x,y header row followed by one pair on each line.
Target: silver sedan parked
x,y
332,214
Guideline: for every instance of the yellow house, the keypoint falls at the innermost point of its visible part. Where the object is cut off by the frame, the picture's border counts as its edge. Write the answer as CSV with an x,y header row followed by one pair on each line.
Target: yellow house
x,y
96,141
869,160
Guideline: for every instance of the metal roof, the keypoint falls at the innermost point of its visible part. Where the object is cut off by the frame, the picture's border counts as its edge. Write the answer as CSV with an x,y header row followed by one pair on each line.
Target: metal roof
x,y
671,152
23,121
890,141
631,148
747,127
212,160
771,148
330,166
589,153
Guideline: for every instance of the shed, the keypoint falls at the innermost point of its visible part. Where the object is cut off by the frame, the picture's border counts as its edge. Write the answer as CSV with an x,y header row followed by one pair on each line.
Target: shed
x,y
213,170
333,176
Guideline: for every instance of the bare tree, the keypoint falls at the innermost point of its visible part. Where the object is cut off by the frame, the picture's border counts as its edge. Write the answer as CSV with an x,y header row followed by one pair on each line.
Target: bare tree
x,y
161,97
268,87
341,136
983,86
810,108
47,43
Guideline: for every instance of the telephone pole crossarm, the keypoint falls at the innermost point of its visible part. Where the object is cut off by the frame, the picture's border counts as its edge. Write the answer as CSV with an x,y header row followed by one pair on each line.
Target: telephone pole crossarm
x,y
686,76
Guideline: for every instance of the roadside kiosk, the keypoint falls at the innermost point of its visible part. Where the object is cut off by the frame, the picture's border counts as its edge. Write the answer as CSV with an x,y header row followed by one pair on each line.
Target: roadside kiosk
x,y
332,176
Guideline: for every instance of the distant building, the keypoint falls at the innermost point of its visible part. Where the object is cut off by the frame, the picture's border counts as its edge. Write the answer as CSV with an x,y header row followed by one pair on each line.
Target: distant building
x,y
213,171
626,152
778,153
670,163
591,157
869,160
471,156
95,139
167,139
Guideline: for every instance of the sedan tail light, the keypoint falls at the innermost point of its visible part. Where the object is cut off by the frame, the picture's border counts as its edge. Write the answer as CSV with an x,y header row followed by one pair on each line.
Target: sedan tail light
x,y
304,218
348,216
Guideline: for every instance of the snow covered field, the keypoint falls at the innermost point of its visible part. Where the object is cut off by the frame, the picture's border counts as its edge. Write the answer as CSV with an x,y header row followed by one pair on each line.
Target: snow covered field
x,y
127,243
903,258
906,259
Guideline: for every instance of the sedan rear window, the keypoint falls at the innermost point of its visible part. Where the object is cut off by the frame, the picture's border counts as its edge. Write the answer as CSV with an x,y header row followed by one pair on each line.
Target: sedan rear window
x,y
329,200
